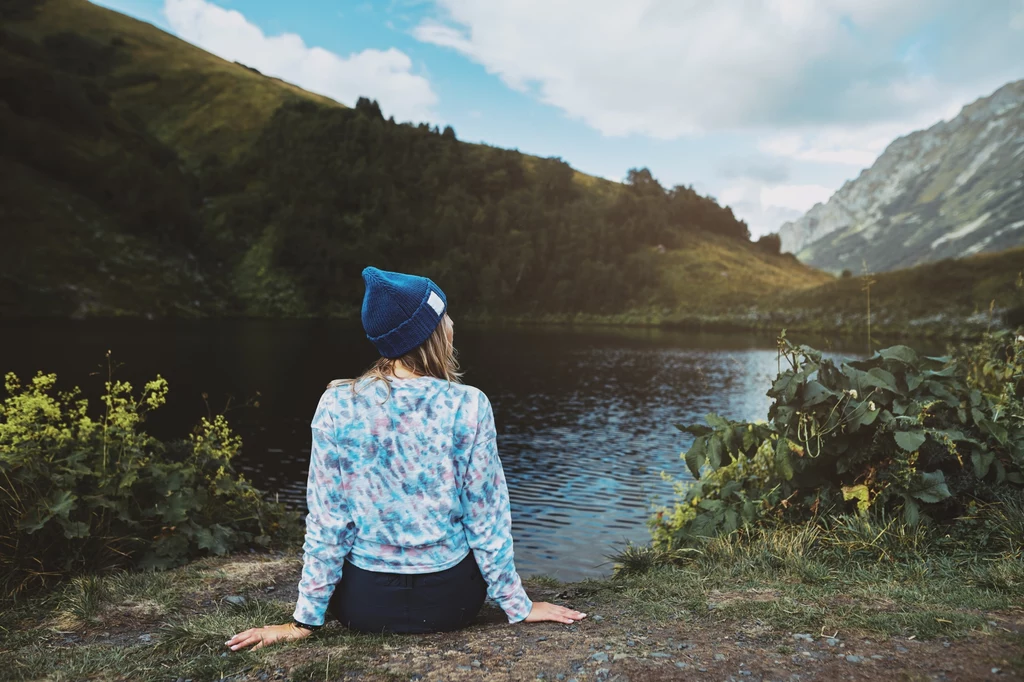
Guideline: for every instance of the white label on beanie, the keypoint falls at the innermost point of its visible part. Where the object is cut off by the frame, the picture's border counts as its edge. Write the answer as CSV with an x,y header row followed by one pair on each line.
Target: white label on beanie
x,y
435,302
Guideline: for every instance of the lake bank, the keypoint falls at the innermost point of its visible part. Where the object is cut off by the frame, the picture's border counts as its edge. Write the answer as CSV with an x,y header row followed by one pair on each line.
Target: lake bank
x,y
715,620
938,325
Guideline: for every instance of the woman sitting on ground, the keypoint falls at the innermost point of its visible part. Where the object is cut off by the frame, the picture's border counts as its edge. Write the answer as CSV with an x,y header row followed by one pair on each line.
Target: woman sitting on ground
x,y
409,527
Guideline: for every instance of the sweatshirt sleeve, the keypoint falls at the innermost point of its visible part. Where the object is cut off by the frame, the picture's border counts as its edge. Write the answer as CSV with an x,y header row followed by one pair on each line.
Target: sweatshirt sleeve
x,y
330,530
487,519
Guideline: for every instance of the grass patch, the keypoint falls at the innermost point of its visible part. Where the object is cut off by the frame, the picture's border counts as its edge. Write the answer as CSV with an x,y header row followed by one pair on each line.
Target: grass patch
x,y
810,578
764,588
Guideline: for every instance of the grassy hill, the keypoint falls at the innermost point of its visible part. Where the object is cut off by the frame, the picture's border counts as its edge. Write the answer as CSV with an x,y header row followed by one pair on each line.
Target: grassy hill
x,y
144,176
949,296
195,102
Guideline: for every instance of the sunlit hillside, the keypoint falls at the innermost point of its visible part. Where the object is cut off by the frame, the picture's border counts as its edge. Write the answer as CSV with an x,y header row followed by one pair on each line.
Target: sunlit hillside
x,y
148,177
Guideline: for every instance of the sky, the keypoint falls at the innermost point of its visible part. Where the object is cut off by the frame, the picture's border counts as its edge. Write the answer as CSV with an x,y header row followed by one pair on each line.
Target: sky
x,y
767,105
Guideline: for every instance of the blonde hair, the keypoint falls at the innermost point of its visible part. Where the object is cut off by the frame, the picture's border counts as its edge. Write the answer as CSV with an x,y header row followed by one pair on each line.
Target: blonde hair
x,y
436,357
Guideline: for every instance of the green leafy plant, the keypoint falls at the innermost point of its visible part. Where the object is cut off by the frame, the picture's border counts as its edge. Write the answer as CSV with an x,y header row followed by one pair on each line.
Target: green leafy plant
x,y
82,491
929,439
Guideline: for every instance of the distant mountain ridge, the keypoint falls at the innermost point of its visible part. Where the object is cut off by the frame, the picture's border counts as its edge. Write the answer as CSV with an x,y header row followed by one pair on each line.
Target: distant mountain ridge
x,y
952,190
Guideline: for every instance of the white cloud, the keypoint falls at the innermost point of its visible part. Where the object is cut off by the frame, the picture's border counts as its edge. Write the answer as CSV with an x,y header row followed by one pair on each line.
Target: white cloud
x,y
666,68
384,75
794,197
853,145
823,149
766,207
1017,23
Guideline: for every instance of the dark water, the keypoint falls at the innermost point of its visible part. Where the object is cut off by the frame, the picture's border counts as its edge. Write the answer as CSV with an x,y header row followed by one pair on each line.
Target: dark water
x,y
585,419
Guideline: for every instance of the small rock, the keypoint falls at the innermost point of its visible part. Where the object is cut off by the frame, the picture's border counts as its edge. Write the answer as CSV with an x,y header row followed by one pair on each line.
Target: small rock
x,y
945,644
235,599
475,664
630,642
559,676
542,639
597,619
745,673
621,656
415,677
146,637
993,623
180,679
854,659
996,671
877,657
602,673
659,654
719,657
462,667
540,676
600,657
271,588
902,649
703,670
224,655
683,645
804,636
681,665
832,641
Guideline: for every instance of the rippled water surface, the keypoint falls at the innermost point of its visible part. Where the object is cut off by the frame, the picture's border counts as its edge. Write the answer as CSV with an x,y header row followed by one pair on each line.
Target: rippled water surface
x,y
585,419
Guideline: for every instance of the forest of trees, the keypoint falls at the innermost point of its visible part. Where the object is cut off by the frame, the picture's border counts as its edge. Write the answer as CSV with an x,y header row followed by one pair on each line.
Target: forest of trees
x,y
325,191
497,229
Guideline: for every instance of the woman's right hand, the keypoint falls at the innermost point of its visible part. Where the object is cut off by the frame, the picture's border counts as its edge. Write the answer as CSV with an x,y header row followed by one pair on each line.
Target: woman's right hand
x,y
543,611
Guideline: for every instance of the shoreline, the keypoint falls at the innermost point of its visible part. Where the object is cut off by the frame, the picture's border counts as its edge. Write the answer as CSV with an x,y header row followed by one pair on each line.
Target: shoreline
x,y
938,327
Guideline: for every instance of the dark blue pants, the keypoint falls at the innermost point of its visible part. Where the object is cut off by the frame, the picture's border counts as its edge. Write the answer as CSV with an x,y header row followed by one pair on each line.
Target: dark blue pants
x,y
394,602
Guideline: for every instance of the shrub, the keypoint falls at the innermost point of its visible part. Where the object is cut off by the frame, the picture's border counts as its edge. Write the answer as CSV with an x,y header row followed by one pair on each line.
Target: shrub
x,y
82,491
928,439
770,243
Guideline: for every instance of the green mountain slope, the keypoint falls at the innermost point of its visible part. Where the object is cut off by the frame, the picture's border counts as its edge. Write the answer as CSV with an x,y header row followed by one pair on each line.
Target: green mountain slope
x,y
952,297
140,175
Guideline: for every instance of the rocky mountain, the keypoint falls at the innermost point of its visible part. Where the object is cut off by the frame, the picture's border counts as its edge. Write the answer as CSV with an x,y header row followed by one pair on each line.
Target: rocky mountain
x,y
952,190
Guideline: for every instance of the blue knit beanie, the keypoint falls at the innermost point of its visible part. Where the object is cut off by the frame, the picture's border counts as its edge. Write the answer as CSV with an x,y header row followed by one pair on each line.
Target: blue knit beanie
x,y
400,312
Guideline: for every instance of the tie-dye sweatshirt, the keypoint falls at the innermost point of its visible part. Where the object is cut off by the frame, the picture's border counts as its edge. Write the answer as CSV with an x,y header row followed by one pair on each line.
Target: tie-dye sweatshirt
x,y
409,483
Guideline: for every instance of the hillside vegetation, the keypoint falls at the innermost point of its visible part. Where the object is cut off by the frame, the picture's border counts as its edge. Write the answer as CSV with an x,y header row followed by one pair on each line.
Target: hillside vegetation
x,y
144,176
965,295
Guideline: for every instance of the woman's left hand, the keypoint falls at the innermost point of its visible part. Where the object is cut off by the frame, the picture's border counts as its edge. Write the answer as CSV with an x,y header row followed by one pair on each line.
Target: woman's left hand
x,y
267,635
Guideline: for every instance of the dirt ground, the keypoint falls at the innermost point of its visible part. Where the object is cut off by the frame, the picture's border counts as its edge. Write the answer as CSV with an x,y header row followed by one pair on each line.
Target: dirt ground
x,y
612,644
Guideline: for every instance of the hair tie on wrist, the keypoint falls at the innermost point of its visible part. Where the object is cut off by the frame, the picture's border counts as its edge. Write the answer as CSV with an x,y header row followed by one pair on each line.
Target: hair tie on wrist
x,y
306,626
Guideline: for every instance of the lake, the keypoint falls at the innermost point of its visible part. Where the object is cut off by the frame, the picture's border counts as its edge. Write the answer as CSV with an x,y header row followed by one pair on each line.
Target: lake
x,y
585,419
